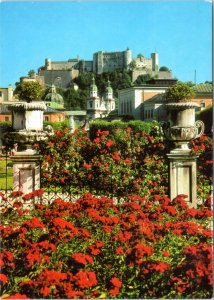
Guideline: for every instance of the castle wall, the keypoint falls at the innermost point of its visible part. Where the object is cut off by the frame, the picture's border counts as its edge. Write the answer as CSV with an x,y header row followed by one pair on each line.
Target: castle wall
x,y
159,74
63,65
61,78
143,62
110,61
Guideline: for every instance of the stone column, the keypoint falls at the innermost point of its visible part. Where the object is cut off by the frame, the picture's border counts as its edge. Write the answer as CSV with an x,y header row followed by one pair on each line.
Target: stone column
x,y
26,171
182,176
181,128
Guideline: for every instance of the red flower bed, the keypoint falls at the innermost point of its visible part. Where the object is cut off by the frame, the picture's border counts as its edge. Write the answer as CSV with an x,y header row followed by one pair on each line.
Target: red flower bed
x,y
116,165
94,248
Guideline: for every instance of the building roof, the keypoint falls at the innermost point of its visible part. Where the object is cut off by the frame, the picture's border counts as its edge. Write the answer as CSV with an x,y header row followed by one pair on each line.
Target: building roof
x,y
51,110
203,88
161,82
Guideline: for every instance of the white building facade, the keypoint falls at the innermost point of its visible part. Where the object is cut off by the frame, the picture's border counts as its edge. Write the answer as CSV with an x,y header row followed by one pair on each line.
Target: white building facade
x,y
143,102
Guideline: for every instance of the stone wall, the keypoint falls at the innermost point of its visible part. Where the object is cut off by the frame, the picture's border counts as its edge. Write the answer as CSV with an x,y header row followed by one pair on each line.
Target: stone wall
x,y
60,78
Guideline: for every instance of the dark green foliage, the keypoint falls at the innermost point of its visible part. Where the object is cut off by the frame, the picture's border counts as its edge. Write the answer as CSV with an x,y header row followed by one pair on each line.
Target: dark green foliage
x,y
31,73
120,79
141,79
84,80
6,127
140,55
75,100
206,116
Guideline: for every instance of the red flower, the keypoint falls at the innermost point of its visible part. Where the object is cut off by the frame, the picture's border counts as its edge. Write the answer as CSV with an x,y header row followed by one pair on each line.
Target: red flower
x,y
87,166
82,258
38,193
16,194
109,143
3,278
45,291
166,253
127,161
17,204
116,156
34,223
116,282
17,296
114,292
2,196
119,251
161,267
85,279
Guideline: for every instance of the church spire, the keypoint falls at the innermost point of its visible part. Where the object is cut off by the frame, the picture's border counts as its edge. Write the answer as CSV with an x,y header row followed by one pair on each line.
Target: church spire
x,y
93,88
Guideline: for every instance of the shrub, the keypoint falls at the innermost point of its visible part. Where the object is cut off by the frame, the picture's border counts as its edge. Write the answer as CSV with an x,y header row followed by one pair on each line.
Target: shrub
x,y
116,164
6,126
179,92
125,162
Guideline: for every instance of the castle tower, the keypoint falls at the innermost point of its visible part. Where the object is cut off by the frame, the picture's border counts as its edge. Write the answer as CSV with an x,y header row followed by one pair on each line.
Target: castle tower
x,y
48,63
127,57
154,57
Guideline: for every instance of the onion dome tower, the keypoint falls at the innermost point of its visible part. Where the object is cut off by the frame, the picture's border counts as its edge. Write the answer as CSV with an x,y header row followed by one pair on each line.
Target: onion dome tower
x,y
110,101
93,89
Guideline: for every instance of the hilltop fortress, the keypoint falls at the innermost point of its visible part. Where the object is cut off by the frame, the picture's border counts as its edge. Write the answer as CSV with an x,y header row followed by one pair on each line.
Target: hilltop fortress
x,y
61,73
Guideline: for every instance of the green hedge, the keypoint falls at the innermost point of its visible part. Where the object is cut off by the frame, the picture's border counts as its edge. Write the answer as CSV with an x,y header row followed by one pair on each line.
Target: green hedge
x,y
6,127
137,126
57,125
206,116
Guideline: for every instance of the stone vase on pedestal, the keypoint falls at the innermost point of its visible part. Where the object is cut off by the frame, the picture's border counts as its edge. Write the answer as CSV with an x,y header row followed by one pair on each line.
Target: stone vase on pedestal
x,y
27,121
181,129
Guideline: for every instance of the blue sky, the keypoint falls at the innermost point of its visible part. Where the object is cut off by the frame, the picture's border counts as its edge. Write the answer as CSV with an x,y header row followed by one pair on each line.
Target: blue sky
x,y
179,31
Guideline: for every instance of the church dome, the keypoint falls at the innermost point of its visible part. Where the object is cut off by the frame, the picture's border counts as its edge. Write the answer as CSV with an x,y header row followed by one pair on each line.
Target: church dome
x,y
53,96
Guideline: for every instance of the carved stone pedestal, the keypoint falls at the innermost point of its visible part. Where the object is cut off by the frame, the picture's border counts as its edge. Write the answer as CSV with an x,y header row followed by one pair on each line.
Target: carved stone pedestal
x,y
182,175
26,171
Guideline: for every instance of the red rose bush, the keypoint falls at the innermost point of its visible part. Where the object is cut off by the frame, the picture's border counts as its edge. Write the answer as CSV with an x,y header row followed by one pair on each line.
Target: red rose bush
x,y
96,248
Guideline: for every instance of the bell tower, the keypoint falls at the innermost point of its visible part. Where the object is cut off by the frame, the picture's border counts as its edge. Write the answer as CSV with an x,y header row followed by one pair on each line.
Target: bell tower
x,y
93,102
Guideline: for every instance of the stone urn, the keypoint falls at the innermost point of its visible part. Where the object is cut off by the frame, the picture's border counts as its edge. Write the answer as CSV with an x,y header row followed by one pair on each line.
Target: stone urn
x,y
181,126
27,123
